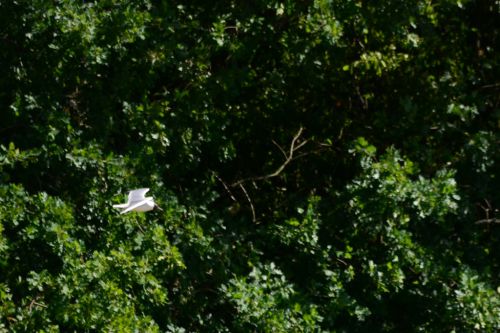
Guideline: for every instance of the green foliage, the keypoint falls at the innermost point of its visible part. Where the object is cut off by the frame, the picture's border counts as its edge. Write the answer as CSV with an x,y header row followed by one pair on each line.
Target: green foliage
x,y
60,278
265,302
327,165
474,305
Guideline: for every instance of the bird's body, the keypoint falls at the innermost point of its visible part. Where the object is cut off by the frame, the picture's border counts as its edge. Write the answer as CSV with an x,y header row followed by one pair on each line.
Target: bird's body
x,y
137,202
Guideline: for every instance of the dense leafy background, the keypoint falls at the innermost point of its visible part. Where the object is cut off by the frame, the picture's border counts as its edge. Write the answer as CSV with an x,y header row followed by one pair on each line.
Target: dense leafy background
x,y
321,165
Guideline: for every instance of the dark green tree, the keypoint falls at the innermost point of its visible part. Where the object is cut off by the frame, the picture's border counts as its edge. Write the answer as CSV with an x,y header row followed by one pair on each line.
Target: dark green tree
x,y
323,166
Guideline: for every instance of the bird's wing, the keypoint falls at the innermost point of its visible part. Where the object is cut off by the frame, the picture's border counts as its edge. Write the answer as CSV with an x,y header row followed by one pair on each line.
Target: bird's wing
x,y
137,195
132,207
121,206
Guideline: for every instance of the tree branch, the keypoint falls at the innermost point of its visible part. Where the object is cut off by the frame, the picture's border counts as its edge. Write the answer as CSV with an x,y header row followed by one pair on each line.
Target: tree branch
x,y
279,147
488,221
226,187
294,146
254,217
288,159
487,86
34,302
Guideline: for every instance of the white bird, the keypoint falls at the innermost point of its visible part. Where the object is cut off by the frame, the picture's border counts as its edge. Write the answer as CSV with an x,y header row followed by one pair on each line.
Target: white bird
x,y
137,202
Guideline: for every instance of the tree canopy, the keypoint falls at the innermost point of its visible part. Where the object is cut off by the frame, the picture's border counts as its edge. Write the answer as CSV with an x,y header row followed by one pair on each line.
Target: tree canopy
x,y
323,166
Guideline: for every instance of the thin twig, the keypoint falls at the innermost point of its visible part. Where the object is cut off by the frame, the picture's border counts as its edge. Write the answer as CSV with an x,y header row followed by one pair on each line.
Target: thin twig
x,y
254,218
139,225
34,302
279,147
316,151
282,167
489,221
364,102
342,261
288,159
226,187
494,85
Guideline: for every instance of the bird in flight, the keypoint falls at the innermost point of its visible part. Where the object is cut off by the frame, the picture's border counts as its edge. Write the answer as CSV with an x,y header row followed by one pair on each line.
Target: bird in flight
x,y
137,202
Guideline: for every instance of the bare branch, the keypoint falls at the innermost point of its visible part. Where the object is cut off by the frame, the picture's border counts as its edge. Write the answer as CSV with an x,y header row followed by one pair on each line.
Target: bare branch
x,y
288,158
364,101
342,261
34,302
316,151
487,86
254,218
139,225
226,187
295,138
488,221
282,167
279,147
